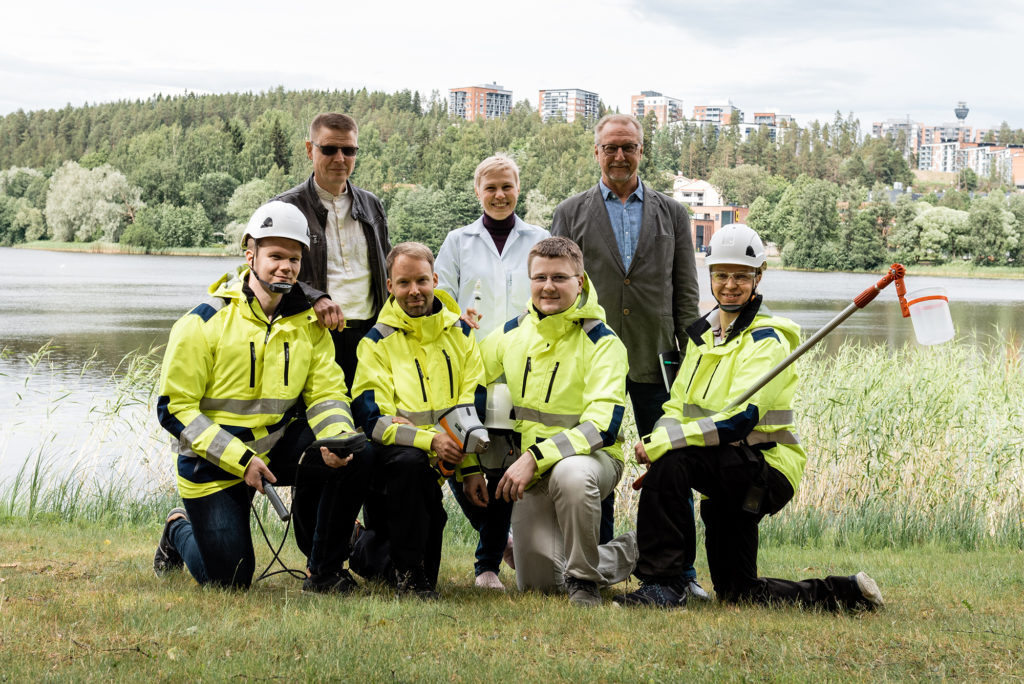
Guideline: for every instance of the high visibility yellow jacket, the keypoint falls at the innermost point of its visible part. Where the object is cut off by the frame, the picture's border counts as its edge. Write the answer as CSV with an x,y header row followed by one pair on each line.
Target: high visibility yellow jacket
x,y
232,381
417,368
567,376
711,377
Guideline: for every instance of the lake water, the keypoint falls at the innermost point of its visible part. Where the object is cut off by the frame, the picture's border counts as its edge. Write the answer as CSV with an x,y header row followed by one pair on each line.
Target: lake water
x,y
93,309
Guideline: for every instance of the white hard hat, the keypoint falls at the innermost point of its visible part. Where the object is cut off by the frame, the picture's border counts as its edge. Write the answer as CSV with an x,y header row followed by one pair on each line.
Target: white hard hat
x,y
499,408
736,243
277,219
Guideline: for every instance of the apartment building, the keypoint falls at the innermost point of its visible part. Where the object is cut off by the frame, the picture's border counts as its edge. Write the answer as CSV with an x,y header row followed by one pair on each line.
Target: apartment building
x,y
568,104
721,114
482,101
666,109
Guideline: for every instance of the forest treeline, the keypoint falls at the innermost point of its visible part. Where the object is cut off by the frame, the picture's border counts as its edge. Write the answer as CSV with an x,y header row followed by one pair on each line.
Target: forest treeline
x,y
182,171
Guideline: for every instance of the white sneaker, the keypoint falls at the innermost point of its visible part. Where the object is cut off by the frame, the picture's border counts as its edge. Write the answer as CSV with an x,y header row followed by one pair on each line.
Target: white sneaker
x,y
489,580
869,590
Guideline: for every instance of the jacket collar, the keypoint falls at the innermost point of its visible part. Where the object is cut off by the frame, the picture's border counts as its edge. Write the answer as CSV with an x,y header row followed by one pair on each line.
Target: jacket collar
x,y
358,209
424,328
702,325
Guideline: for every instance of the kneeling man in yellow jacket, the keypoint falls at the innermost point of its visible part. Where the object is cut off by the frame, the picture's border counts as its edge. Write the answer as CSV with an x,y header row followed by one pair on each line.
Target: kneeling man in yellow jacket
x,y
566,371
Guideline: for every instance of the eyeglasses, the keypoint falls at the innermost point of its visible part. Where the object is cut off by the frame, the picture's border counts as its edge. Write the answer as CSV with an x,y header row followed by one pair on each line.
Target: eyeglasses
x,y
612,150
558,279
331,150
742,278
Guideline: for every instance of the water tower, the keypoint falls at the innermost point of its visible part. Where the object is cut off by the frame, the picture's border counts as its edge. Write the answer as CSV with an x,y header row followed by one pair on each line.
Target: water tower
x,y
961,111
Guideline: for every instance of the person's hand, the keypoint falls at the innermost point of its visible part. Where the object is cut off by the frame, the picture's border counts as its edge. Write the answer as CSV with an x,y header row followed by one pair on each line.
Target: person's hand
x,y
475,489
641,454
471,318
255,471
333,460
446,449
513,483
401,420
328,314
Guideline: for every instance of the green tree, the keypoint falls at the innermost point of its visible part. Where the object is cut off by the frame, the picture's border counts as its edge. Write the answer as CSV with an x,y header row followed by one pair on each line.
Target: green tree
x,y
807,220
90,204
174,226
745,183
994,235
967,180
212,191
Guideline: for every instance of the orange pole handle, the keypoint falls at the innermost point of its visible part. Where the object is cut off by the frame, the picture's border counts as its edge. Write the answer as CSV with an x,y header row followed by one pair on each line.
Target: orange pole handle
x,y
896,272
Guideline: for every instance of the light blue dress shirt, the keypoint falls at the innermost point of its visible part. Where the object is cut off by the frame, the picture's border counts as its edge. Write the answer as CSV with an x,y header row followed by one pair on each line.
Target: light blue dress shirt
x,y
625,219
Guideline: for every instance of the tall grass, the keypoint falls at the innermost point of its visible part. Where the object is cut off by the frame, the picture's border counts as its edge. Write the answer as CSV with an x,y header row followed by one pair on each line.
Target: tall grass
x,y
917,445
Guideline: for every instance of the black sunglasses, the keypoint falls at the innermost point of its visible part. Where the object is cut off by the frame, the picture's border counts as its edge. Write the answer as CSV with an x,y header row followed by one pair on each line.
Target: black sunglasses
x,y
331,150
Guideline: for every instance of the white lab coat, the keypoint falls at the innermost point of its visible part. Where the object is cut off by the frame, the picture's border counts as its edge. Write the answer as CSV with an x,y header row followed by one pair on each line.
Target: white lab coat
x,y
468,255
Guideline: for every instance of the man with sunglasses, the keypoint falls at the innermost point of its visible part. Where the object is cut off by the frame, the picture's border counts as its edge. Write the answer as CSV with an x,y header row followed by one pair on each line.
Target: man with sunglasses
x,y
638,249
348,234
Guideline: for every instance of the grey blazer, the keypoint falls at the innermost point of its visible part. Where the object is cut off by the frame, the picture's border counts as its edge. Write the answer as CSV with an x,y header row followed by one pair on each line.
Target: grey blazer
x,y
650,305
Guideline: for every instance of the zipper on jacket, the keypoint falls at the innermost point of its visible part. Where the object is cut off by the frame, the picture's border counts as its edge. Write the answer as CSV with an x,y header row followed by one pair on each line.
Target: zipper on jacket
x,y
286,356
713,371
252,364
423,387
526,372
695,367
451,383
551,383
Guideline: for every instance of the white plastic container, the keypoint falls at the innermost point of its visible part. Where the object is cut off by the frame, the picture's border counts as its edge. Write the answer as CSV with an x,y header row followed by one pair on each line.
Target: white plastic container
x,y
929,312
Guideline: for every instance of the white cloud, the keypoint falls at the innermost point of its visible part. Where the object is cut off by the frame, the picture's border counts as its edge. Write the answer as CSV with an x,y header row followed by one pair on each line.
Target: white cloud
x,y
876,59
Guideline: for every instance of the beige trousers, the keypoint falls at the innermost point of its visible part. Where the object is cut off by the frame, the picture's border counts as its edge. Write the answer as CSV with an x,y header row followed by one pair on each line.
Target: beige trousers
x,y
555,527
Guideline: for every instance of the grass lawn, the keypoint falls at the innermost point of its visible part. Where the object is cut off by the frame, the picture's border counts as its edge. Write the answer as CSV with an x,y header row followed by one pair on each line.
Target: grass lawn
x,y
78,601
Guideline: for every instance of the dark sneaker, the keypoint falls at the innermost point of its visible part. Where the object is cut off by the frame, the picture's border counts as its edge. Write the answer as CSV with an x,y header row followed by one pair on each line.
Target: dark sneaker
x,y
414,582
167,557
340,582
872,597
582,592
655,595
695,591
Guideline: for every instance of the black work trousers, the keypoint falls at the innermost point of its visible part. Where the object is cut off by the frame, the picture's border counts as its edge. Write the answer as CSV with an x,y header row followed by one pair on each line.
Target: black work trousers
x,y
741,489
403,516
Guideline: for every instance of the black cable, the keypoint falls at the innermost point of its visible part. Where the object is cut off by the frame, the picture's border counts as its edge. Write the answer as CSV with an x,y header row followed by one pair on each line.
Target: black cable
x,y
276,553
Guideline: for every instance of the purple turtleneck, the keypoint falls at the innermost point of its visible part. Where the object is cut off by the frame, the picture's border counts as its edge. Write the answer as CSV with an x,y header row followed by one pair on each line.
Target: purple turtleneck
x,y
499,230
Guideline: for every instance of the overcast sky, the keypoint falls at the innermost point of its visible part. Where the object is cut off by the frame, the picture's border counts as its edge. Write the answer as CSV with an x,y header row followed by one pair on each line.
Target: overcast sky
x,y
877,59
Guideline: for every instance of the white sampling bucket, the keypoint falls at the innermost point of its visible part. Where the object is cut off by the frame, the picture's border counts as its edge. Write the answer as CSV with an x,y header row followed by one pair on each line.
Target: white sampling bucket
x,y
929,312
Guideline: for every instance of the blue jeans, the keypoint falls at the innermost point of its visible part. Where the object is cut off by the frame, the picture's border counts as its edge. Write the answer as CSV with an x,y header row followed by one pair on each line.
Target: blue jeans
x,y
217,544
647,399
492,522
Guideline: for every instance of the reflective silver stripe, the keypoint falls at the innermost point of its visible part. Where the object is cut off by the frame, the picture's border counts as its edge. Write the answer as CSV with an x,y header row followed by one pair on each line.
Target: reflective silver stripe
x,y
405,435
667,422
382,424
247,407
550,419
384,330
674,430
265,444
331,404
694,411
334,420
710,432
430,417
216,449
194,429
779,437
592,435
780,417
565,447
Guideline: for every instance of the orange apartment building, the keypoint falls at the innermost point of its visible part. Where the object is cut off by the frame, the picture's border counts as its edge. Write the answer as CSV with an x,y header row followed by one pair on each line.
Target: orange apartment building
x,y
483,101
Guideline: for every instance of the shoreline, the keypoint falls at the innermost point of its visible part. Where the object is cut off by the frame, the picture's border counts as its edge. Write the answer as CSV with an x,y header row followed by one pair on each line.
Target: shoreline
x,y
114,248
980,273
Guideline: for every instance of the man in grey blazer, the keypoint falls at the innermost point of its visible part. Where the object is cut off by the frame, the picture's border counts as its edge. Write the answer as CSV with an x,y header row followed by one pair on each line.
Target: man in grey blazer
x,y
638,248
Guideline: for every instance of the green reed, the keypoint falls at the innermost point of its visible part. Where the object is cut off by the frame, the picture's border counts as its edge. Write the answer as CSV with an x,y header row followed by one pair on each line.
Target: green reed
x,y
905,446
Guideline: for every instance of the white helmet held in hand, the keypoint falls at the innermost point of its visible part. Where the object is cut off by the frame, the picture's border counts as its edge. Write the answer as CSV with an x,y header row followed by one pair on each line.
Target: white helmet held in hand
x,y
499,408
736,243
277,219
